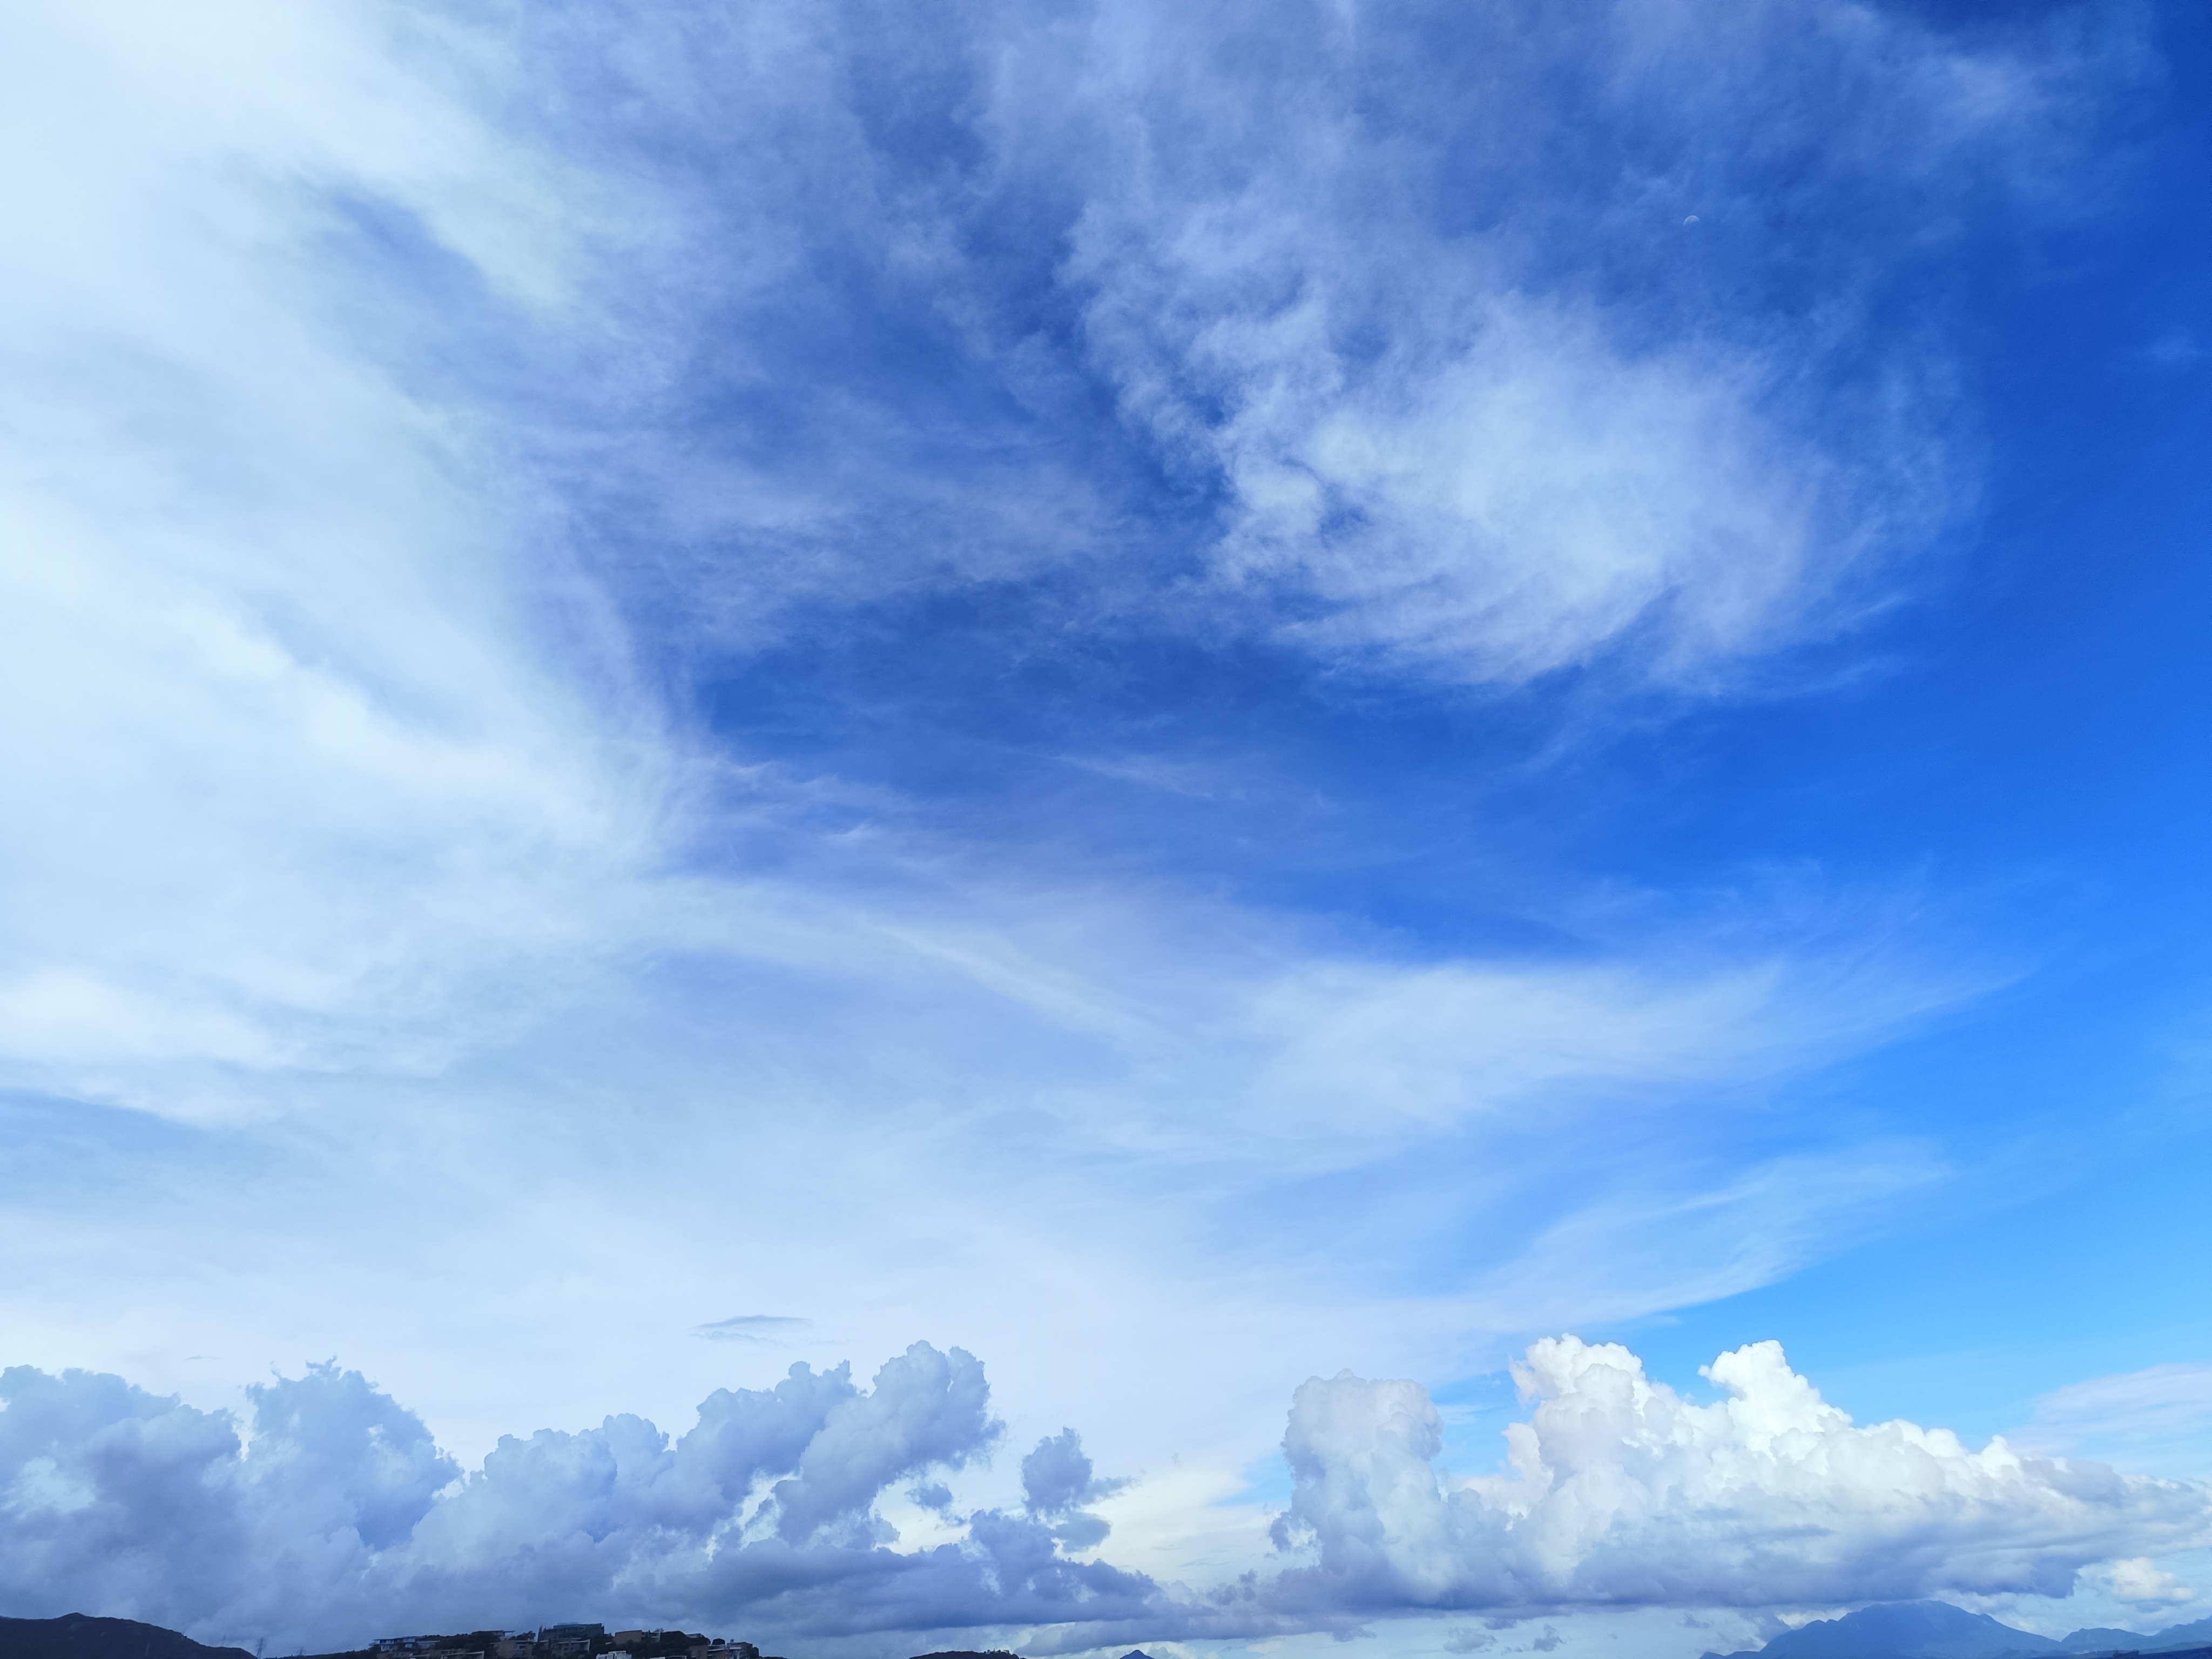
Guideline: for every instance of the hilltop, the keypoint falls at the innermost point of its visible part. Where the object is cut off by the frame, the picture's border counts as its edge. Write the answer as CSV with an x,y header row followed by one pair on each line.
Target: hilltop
x,y
81,1636
1936,1630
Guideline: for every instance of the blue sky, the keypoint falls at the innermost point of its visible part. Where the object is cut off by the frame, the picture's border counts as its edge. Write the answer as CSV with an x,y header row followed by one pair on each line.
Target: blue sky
x,y
1177,702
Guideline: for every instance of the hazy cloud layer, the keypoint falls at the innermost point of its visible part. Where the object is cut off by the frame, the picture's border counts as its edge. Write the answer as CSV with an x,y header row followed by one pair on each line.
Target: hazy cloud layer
x,y
2160,1401
2154,1419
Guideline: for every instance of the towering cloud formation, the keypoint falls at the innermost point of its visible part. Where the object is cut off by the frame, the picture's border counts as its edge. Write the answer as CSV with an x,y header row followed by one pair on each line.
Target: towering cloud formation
x,y
337,1513
1623,1492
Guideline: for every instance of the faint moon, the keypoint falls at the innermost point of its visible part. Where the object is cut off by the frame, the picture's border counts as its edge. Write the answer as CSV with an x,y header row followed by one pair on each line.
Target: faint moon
x,y
1691,220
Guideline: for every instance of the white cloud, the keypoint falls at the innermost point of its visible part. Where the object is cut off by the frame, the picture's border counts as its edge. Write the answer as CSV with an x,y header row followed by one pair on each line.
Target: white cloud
x,y
1620,1491
1424,1045
340,1512
1530,501
1685,1244
2140,1583
2155,1418
303,781
773,1511
1454,442
1397,335
2160,1400
331,777
321,782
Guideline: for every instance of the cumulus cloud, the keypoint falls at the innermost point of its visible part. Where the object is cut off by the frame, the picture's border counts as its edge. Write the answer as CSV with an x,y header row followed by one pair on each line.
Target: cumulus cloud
x,y
1057,1477
2142,1584
335,1509
926,1410
1056,1480
1622,1491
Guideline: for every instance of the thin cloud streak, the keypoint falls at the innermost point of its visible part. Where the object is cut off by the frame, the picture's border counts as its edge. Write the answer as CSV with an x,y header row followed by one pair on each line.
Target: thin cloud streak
x,y
748,1328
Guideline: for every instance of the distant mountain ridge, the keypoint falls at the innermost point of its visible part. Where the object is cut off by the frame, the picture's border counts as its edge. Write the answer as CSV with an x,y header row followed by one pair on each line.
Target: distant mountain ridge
x,y
1896,1630
1936,1630
81,1636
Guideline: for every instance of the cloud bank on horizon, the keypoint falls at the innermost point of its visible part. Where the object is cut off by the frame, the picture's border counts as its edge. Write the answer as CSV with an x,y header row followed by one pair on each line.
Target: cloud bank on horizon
x,y
336,1510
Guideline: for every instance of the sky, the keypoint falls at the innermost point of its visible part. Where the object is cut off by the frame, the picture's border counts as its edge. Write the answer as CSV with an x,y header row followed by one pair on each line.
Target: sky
x,y
1064,826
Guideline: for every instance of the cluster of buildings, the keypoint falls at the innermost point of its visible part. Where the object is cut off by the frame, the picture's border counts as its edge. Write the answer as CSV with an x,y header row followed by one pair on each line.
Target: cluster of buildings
x,y
563,1642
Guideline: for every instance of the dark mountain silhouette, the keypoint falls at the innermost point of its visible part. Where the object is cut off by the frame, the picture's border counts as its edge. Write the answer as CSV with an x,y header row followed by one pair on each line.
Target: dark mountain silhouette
x,y
1907,1630
1898,1630
81,1635
2199,1630
1936,1630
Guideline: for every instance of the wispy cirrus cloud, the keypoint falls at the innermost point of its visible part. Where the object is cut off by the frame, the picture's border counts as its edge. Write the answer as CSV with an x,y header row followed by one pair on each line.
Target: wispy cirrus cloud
x,y
425,768
747,1328
2156,1416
